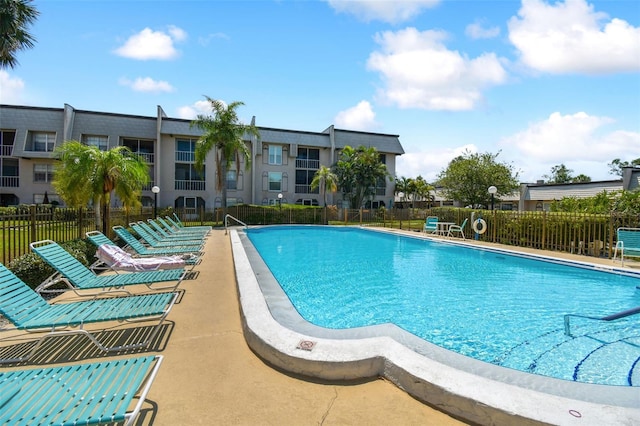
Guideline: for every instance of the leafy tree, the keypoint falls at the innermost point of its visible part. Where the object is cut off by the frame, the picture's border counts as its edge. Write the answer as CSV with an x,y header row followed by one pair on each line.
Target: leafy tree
x,y
616,165
224,132
468,177
559,174
581,178
15,18
85,173
359,171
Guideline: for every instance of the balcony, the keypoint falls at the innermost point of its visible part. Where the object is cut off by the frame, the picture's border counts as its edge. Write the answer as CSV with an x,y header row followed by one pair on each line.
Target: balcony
x,y
148,156
185,157
189,185
306,189
9,181
6,150
307,164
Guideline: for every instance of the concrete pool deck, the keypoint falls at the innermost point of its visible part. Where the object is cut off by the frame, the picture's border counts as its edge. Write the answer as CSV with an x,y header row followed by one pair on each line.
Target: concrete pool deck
x,y
211,377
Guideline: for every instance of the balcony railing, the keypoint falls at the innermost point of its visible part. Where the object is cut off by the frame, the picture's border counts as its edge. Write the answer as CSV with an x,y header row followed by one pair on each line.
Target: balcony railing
x,y
9,181
190,185
306,189
148,156
307,164
6,150
185,156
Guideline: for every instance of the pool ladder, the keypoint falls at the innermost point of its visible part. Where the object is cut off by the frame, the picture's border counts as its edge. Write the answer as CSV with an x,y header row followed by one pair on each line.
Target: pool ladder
x,y
612,317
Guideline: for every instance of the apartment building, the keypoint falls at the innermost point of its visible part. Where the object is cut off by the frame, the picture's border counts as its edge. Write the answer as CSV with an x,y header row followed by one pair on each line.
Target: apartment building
x,y
283,162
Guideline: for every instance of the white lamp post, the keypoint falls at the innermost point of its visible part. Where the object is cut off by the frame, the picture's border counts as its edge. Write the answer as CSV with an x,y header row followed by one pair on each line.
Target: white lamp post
x,y
155,189
280,200
492,190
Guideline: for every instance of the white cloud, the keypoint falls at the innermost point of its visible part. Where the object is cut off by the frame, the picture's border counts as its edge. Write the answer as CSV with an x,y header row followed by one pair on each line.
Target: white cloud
x,y
477,30
190,112
149,44
386,11
359,117
570,139
570,37
12,89
204,41
418,71
429,164
147,84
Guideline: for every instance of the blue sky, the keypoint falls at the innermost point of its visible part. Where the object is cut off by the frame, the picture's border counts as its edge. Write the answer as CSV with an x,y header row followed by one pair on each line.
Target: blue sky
x,y
540,82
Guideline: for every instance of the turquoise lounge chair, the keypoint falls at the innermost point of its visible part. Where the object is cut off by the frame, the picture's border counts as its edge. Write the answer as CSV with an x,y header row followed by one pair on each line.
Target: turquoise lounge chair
x,y
171,233
28,311
175,239
170,225
155,243
141,249
78,277
90,393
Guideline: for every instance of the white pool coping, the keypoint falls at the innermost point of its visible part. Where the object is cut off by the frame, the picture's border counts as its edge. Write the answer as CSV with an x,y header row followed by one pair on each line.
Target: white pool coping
x,y
468,389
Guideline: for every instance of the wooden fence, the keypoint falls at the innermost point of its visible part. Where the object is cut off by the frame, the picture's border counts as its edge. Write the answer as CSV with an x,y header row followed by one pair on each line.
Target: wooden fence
x,y
578,233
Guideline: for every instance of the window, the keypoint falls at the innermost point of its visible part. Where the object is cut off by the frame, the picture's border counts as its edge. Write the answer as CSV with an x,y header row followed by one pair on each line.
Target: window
x,y
42,173
188,178
232,179
141,147
7,137
9,173
303,182
275,154
275,181
101,142
42,142
185,149
308,158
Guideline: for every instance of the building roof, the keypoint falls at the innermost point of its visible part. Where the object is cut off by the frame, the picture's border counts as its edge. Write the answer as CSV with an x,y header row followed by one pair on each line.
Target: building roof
x,y
578,190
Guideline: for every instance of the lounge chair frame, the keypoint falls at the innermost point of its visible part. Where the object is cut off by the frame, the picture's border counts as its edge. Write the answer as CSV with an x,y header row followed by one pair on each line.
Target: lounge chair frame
x,y
88,393
29,312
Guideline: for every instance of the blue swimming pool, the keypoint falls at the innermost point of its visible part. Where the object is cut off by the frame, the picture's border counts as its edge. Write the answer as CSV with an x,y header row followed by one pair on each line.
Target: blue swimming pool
x,y
502,309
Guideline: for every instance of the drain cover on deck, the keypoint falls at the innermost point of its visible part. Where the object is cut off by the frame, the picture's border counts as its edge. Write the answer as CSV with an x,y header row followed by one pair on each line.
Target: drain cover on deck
x,y
306,345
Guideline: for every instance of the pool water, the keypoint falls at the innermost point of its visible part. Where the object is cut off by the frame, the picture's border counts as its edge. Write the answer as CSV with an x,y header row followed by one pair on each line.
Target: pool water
x,y
503,309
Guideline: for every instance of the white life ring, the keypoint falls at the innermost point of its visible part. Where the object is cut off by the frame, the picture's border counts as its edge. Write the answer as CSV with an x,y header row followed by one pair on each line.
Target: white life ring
x,y
479,226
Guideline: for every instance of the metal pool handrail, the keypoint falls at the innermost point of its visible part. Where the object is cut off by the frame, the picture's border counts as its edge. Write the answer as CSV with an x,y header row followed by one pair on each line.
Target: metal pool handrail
x,y
236,219
618,315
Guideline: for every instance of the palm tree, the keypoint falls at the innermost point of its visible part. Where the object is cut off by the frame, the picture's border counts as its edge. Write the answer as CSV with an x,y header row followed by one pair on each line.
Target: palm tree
x,y
326,180
403,186
88,174
15,17
224,132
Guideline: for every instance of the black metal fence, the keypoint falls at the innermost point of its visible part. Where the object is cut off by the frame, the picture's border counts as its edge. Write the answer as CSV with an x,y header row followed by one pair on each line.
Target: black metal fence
x,y
566,232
